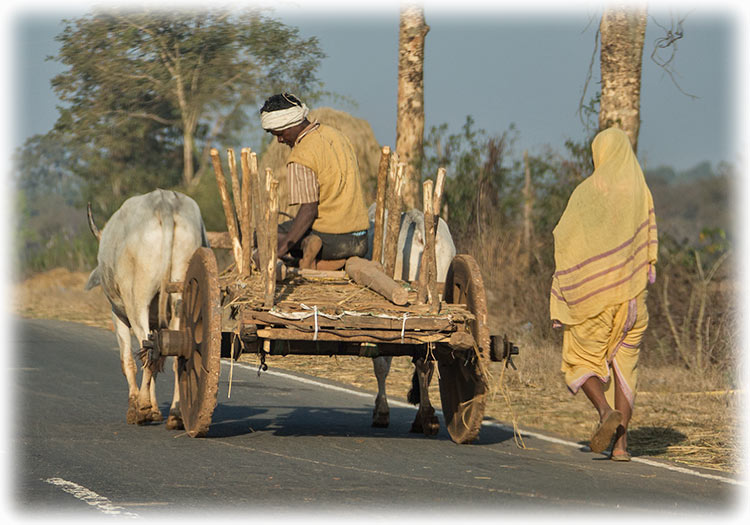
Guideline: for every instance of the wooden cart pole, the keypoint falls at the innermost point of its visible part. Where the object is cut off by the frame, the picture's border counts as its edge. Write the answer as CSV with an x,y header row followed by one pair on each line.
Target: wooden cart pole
x,y
426,286
245,217
236,198
259,220
272,224
437,203
227,205
395,183
377,237
437,196
428,272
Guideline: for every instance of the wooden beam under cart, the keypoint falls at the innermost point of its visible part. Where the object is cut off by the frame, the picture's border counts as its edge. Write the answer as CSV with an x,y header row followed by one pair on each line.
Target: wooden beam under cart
x,y
423,324
345,348
456,339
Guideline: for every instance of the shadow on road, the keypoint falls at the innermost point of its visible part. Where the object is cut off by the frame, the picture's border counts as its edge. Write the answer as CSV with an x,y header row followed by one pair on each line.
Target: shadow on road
x,y
653,440
229,420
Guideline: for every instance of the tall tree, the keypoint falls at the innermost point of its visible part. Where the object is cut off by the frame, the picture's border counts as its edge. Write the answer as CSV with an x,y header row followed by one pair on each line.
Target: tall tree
x,y
410,104
182,79
623,29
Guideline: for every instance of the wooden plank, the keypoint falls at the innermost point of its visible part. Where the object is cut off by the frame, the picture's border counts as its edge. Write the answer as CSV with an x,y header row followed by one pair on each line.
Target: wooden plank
x,y
308,273
425,324
362,336
331,348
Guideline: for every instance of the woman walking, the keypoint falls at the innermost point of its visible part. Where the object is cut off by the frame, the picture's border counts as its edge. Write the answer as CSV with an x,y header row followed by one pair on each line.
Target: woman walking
x,y
605,252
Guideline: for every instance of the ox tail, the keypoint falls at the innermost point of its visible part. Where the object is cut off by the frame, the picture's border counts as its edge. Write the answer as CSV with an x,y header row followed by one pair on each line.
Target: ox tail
x,y
167,227
92,226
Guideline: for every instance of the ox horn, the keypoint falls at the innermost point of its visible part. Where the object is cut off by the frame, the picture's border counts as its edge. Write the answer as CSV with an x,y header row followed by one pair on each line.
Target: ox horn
x,y
92,226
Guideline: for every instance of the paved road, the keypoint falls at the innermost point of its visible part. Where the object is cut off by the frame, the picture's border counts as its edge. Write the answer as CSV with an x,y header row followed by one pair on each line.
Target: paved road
x,y
284,442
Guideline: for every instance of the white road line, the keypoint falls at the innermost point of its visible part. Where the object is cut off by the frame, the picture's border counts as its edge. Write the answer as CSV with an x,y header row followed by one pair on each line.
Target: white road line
x,y
550,439
90,497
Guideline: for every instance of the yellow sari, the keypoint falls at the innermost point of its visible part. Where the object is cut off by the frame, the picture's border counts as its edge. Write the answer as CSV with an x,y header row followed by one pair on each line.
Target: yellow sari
x,y
605,252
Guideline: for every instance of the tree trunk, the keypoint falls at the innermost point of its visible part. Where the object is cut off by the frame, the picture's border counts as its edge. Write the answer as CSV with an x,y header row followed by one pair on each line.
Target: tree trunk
x,y
622,29
188,167
410,106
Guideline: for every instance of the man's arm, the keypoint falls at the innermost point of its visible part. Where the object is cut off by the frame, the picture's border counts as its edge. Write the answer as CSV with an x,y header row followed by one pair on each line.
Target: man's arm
x,y
306,215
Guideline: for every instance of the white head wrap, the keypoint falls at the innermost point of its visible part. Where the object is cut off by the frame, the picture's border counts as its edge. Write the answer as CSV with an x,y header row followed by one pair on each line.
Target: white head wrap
x,y
283,118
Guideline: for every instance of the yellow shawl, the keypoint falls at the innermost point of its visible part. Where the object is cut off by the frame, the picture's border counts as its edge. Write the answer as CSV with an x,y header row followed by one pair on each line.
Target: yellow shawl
x,y
605,241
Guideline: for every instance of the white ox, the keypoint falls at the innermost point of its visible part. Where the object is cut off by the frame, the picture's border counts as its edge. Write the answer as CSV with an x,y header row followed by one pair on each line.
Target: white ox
x,y
410,247
146,243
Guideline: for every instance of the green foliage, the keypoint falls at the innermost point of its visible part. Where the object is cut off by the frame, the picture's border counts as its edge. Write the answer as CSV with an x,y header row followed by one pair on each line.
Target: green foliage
x,y
148,92
484,184
479,190
145,95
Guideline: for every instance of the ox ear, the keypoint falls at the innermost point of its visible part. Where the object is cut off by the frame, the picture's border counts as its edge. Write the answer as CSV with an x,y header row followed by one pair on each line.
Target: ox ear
x,y
94,280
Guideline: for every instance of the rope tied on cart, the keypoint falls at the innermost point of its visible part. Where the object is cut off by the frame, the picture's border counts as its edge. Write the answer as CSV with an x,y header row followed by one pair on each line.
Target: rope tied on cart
x,y
403,328
315,309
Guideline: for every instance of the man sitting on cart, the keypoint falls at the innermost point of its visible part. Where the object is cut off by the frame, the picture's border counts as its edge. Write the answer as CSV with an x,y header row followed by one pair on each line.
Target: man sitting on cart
x,y
323,176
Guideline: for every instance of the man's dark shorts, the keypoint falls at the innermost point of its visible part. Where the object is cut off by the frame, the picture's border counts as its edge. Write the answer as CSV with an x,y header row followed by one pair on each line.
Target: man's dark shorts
x,y
335,245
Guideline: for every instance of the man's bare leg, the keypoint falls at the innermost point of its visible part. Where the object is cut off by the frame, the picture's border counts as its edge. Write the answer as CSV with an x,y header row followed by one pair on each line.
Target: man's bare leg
x,y
311,246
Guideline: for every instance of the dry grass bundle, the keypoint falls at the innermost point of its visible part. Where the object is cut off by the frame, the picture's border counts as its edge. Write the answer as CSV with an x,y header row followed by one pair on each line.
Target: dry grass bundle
x,y
358,131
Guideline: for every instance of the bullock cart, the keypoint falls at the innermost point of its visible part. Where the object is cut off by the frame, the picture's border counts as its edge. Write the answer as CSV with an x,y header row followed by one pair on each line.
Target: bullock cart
x,y
274,310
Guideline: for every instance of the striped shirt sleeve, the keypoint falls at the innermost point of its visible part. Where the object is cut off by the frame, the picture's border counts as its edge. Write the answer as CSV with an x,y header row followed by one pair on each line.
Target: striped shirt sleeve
x,y
303,184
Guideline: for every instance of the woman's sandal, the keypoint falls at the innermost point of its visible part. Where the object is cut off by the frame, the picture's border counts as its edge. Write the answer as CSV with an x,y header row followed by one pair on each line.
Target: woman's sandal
x,y
620,457
604,433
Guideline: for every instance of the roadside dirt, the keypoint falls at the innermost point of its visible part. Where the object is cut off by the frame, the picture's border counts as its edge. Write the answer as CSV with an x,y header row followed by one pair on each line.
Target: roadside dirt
x,y
672,420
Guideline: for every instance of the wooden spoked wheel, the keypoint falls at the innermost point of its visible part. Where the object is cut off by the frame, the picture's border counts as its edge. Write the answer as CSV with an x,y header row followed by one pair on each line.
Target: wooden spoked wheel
x,y
463,382
198,373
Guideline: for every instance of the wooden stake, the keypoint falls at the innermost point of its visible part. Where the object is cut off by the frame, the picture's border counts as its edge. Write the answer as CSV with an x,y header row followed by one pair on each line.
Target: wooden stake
x,y
235,182
259,220
369,274
237,200
377,237
272,215
395,183
437,196
246,214
437,203
427,292
228,210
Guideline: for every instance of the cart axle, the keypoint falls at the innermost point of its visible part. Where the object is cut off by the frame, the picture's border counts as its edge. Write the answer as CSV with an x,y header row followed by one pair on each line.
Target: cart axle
x,y
164,342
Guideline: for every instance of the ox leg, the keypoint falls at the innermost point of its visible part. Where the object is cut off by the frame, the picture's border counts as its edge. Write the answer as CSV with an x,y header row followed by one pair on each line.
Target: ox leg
x,y
381,413
148,408
425,422
129,368
174,420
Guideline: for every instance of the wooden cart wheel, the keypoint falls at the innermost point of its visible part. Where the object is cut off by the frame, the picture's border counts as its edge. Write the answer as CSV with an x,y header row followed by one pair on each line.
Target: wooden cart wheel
x,y
201,317
463,383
